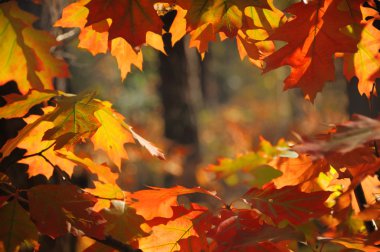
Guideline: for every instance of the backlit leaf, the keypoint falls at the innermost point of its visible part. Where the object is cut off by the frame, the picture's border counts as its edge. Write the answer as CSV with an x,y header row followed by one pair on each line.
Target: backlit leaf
x,y
365,63
33,144
25,51
167,237
313,37
19,105
131,20
158,202
112,134
105,192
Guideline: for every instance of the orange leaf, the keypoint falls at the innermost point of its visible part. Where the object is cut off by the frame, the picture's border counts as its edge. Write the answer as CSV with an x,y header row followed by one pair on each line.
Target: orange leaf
x,y
371,213
112,134
125,56
26,51
174,235
105,192
33,144
313,38
102,172
158,202
365,63
131,20
298,170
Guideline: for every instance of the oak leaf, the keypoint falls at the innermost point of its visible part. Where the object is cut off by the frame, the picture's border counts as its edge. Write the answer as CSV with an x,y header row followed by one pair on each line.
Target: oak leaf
x,y
287,203
313,36
19,105
175,235
158,202
205,19
343,138
296,171
103,172
95,37
33,144
243,230
254,166
112,134
59,209
105,193
258,24
80,117
73,119
126,56
26,51
365,63
123,224
131,20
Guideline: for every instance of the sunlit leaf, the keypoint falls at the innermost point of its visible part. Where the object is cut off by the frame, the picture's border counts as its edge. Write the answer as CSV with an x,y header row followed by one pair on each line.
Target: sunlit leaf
x,y
19,105
313,37
158,202
25,51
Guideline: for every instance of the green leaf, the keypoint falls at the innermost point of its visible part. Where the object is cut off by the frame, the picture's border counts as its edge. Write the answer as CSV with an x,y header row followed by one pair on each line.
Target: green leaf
x,y
19,105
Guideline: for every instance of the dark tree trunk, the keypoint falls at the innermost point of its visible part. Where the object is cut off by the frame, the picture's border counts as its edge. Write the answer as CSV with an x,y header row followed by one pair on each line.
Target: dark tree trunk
x,y
180,123
179,115
360,104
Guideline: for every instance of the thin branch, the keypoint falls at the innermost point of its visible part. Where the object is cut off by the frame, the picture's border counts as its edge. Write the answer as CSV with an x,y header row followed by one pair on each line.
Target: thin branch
x,y
116,244
105,198
62,177
38,153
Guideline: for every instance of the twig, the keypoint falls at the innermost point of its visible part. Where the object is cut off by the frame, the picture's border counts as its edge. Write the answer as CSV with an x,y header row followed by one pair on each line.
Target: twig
x,y
360,197
38,153
116,244
62,177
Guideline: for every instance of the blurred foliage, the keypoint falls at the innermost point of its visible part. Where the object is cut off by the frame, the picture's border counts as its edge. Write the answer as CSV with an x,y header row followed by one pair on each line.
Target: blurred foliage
x,y
248,105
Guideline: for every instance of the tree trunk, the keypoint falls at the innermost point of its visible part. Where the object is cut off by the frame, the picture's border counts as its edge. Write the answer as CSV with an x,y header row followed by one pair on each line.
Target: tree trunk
x,y
179,116
360,104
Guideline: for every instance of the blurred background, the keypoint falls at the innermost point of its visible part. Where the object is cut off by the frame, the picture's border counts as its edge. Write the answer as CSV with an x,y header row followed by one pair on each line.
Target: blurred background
x,y
202,110
195,111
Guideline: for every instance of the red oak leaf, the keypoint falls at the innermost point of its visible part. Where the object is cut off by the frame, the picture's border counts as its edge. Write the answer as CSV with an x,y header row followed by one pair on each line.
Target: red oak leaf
x,y
131,20
59,209
288,203
313,37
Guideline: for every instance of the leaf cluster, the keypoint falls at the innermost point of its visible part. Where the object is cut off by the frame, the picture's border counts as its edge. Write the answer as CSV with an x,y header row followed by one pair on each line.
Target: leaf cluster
x,y
301,194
